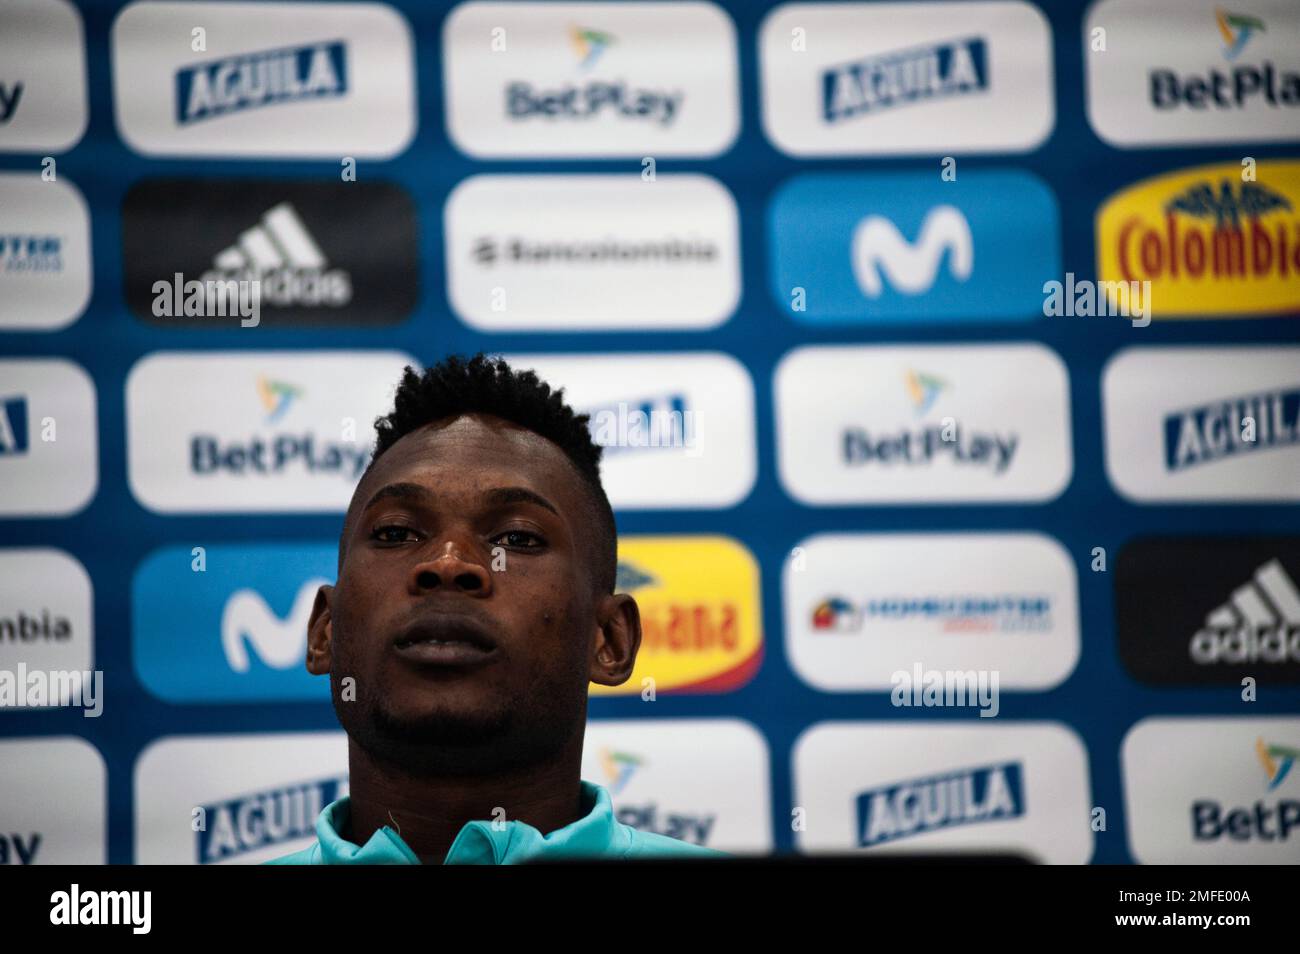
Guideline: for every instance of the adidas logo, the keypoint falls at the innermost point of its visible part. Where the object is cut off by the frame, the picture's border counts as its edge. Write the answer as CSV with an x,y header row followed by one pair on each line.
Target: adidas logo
x,y
281,254
1260,623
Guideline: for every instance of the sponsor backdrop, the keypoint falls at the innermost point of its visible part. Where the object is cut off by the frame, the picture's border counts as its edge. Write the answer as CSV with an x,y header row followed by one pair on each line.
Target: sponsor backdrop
x,y
946,356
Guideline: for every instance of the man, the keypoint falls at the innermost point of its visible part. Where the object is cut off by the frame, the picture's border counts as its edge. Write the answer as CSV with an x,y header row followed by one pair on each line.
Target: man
x,y
474,605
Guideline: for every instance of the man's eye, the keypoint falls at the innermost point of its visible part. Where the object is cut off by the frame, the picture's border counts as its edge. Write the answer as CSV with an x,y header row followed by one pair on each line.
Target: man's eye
x,y
394,533
520,539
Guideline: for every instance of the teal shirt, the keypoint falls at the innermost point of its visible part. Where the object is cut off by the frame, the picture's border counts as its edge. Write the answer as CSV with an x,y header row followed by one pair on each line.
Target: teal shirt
x,y
597,835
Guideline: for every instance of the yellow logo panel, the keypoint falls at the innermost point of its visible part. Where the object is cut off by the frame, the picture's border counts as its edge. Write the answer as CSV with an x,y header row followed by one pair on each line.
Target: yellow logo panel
x,y
1214,241
701,617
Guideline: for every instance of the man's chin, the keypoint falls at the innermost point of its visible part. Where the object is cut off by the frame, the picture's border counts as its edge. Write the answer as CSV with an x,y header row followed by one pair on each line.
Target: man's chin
x,y
444,728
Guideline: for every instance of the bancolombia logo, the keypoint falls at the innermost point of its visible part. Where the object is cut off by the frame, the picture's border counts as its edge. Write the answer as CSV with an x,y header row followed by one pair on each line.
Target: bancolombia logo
x,y
322,253
1209,611
254,431
1210,243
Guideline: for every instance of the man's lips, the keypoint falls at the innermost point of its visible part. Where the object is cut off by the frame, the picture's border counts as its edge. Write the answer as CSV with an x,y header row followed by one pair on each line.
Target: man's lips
x,y
445,642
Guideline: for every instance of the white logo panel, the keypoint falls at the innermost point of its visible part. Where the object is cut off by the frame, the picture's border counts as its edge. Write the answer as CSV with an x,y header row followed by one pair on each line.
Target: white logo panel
x,y
1213,791
46,617
704,781
1189,424
246,431
45,273
563,253
891,788
861,607
677,429
591,79
49,451
906,78
234,799
42,77
1177,72
272,79
53,802
923,423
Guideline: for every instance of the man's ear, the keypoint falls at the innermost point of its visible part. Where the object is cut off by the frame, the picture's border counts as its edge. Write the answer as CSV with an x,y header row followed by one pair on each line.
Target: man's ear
x,y
320,633
618,638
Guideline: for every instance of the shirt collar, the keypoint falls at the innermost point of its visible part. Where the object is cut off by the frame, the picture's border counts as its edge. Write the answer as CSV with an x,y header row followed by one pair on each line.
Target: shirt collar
x,y
596,834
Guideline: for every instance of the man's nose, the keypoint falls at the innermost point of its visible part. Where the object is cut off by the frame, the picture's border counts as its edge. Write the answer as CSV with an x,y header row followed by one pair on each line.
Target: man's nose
x,y
453,567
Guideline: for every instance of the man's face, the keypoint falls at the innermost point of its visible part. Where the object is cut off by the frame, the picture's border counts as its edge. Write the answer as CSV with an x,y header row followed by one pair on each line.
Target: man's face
x,y
466,610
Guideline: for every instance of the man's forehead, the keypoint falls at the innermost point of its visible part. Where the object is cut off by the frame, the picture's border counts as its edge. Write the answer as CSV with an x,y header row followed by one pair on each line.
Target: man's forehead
x,y
493,450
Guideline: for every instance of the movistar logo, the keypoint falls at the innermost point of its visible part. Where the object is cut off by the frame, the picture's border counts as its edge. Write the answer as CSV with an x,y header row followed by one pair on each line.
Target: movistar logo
x,y
1277,761
619,768
276,397
589,45
923,390
1237,29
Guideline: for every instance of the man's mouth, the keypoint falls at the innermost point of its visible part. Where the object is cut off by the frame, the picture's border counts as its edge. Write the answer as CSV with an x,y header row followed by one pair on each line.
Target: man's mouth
x,y
445,643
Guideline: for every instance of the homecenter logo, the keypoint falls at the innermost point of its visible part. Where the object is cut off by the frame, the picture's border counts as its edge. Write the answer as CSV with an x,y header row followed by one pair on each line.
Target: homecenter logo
x,y
1209,243
207,90
967,797
861,608
45,268
909,76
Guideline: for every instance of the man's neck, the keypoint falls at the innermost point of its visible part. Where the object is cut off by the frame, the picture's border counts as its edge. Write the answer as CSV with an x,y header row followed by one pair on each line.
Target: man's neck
x,y
428,813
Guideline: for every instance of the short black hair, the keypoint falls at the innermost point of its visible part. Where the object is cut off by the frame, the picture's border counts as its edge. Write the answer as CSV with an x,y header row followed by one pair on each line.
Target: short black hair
x,y
484,385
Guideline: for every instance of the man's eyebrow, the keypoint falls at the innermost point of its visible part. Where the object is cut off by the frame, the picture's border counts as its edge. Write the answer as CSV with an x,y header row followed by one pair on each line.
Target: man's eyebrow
x,y
509,495
400,491
498,496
